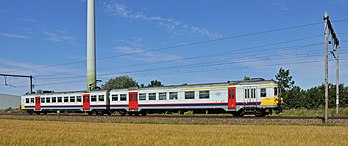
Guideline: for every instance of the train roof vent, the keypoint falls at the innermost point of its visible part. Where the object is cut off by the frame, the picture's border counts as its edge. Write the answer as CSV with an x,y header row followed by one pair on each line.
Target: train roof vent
x,y
132,88
257,79
47,91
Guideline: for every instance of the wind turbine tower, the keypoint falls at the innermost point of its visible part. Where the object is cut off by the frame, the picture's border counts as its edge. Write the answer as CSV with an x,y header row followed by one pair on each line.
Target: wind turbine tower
x,y
91,49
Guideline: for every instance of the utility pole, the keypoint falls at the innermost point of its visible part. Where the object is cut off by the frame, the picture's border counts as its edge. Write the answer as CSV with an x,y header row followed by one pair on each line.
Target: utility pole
x,y
22,76
337,80
326,70
335,45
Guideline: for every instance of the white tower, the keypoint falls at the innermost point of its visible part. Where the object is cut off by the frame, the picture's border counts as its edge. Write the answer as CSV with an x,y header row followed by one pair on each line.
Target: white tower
x,y
91,50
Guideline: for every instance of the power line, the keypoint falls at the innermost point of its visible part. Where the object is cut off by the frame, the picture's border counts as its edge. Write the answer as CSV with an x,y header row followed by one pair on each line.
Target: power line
x,y
226,53
187,44
242,50
209,70
142,72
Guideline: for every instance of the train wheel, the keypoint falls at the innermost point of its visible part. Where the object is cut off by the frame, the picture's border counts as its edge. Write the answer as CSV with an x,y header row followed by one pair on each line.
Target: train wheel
x,y
181,112
89,113
94,112
100,113
241,113
122,113
30,112
260,113
143,113
235,114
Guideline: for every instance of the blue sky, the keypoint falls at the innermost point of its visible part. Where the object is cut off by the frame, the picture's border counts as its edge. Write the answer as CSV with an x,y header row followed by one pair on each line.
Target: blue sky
x,y
176,42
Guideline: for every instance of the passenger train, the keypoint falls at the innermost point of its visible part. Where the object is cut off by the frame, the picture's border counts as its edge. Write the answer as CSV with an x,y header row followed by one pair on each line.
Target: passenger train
x,y
255,96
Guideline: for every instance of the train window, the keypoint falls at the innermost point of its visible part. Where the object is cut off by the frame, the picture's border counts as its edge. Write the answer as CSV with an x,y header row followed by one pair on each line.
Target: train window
x,y
72,98
275,91
26,100
162,96
253,93
101,98
59,99
190,95
66,99
142,96
232,94
152,96
42,99
263,92
123,97
78,99
54,99
173,95
94,98
114,97
48,100
246,93
31,100
204,94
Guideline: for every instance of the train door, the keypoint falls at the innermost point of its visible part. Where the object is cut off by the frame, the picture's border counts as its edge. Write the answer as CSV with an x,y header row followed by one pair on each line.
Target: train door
x,y
133,101
232,97
37,103
86,102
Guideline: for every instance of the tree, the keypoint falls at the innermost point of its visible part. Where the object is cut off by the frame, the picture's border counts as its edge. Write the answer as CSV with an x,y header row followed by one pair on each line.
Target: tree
x,y
155,83
119,83
284,80
142,86
246,78
295,98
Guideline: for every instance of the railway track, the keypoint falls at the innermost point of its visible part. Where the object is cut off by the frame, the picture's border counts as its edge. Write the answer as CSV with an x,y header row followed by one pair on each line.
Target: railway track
x,y
177,119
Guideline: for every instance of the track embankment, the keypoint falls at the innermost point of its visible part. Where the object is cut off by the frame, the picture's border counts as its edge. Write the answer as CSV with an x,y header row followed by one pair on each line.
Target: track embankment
x,y
224,120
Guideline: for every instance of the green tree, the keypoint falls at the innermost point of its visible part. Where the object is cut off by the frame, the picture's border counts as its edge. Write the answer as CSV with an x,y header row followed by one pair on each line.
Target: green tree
x,y
314,97
246,78
155,83
284,80
119,83
294,98
142,86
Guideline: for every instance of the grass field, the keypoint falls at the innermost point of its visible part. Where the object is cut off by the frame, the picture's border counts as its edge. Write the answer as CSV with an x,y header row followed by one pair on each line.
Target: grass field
x,y
343,112
23,132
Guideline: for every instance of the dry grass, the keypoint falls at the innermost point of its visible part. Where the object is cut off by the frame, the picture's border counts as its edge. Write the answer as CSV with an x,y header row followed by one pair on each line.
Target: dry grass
x,y
23,132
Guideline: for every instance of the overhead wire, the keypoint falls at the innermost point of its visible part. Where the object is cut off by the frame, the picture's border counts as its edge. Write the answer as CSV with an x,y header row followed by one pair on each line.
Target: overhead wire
x,y
241,50
226,53
134,72
183,45
191,44
209,70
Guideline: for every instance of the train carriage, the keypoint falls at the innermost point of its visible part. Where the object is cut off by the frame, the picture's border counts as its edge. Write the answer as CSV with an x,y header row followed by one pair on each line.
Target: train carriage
x,y
77,101
52,102
256,96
